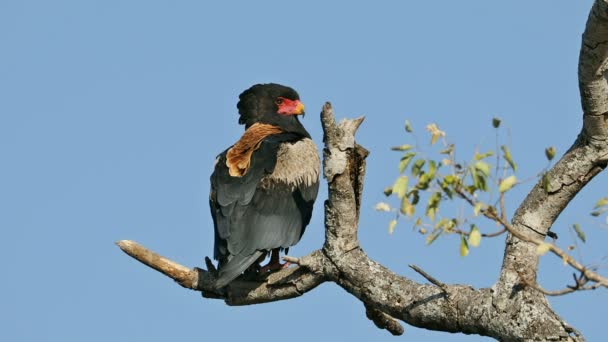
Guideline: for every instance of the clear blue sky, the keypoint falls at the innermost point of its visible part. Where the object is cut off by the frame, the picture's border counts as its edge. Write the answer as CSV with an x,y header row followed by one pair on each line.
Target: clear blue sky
x,y
111,114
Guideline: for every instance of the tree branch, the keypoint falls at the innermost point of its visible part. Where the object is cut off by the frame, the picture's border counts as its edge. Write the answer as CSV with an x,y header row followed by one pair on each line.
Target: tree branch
x,y
182,275
592,70
507,311
387,296
285,284
579,285
584,160
491,214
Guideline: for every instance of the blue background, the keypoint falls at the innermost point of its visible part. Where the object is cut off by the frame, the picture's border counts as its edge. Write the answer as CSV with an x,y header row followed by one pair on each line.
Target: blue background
x,y
112,112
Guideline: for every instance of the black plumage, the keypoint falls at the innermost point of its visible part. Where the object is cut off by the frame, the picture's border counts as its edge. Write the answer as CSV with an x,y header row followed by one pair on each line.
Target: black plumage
x,y
264,186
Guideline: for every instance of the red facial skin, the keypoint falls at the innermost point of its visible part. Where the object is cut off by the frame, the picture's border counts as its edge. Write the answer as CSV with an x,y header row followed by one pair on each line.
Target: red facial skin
x,y
289,107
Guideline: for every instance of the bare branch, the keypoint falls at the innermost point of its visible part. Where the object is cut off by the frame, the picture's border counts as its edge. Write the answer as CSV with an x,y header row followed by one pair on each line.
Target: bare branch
x,y
586,272
285,284
184,276
492,215
578,286
494,234
441,285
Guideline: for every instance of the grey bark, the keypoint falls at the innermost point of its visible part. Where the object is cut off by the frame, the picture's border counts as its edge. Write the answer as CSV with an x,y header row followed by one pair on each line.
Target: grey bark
x,y
506,311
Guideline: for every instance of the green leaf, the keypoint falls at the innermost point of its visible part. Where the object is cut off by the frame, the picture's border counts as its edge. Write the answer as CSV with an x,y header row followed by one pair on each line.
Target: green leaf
x,y
508,158
415,196
448,150
601,203
546,182
550,152
543,248
477,208
579,232
417,167
450,179
443,224
408,126
445,186
507,183
474,236
405,161
423,181
432,169
464,247
382,206
407,208
483,167
391,226
479,173
436,133
405,147
433,236
484,155
400,186
495,122
596,213
433,205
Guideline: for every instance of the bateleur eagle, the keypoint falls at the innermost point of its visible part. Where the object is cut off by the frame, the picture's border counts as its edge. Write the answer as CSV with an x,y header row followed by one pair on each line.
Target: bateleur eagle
x,y
263,187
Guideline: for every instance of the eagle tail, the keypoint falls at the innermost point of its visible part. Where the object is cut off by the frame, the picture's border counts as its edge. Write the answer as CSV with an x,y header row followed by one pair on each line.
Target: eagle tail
x,y
234,267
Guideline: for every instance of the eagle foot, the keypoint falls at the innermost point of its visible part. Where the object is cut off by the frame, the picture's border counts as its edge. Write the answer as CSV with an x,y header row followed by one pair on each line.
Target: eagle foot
x,y
275,263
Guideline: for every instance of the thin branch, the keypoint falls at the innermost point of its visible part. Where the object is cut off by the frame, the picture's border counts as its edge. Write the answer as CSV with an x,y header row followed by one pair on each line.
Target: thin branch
x,y
488,235
579,286
495,234
602,281
492,215
430,278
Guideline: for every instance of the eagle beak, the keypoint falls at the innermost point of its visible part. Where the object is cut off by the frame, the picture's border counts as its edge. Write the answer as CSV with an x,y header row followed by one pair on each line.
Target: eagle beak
x,y
299,110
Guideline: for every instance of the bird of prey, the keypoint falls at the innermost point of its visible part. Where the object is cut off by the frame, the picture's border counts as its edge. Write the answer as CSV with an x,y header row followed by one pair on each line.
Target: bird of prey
x,y
263,187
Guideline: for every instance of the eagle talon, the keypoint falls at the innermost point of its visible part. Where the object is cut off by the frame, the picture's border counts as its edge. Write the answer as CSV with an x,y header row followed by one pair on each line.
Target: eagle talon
x,y
274,267
274,264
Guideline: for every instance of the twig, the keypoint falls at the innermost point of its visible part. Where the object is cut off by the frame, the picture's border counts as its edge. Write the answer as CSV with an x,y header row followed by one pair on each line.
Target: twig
x,y
430,278
496,233
579,286
492,215
488,235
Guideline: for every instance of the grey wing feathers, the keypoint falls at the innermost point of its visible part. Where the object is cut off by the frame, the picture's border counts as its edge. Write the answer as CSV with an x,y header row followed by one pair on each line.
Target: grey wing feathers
x,y
251,219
